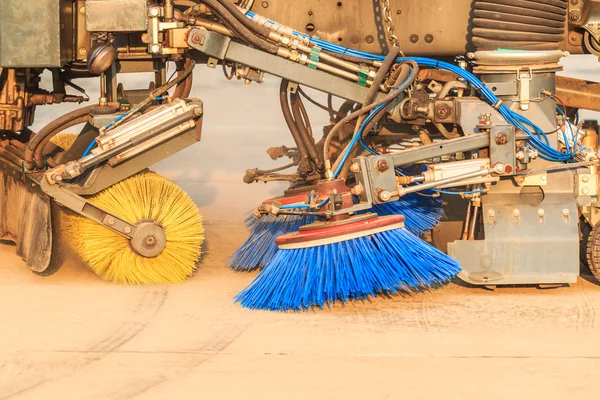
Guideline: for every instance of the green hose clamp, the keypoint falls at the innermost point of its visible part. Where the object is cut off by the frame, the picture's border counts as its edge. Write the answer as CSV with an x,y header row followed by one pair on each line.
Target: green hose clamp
x,y
363,75
314,57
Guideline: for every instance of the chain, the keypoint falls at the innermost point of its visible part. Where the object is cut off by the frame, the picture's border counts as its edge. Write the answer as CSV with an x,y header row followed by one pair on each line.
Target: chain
x,y
389,22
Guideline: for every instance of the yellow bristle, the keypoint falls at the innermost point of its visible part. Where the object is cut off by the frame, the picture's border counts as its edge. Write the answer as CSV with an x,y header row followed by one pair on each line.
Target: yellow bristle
x,y
146,195
64,140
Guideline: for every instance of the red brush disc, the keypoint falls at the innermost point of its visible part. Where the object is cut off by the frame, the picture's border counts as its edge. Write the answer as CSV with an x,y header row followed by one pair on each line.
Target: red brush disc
x,y
321,233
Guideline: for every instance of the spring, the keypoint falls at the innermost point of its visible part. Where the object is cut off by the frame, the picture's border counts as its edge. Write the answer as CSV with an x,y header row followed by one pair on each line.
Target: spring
x,y
519,24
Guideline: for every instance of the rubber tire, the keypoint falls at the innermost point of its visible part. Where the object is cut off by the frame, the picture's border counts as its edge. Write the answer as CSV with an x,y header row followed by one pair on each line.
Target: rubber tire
x,y
592,249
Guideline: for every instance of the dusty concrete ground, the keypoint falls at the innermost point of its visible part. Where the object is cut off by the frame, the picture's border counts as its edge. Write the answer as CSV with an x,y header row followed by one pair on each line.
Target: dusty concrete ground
x,y
72,336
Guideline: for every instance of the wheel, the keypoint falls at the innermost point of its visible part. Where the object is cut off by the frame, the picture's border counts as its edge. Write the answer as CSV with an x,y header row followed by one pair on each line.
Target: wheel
x,y
592,248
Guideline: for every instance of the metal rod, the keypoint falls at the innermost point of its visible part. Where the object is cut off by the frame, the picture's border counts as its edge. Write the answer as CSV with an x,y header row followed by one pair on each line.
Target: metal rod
x,y
465,234
473,222
418,188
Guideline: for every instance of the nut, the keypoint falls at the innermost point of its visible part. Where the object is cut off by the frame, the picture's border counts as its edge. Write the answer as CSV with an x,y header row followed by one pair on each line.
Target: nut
x,y
574,16
442,111
501,138
382,165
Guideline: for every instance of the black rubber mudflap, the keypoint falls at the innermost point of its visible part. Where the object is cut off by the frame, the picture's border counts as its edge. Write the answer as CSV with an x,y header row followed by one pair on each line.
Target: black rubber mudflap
x,y
25,217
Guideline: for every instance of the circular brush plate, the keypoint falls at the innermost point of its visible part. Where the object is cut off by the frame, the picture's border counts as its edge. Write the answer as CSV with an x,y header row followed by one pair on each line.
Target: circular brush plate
x,y
322,233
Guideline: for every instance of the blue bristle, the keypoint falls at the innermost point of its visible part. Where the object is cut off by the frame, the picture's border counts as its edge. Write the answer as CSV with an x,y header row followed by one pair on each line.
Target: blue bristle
x,y
383,263
260,248
420,216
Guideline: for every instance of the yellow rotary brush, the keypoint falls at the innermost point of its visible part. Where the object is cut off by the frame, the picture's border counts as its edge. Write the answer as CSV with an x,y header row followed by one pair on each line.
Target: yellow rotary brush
x,y
142,197
64,140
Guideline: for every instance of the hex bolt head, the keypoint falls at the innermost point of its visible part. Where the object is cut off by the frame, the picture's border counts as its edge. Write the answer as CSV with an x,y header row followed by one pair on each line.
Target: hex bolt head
x,y
155,48
442,111
516,212
565,212
541,212
127,229
382,165
111,221
154,12
150,241
355,168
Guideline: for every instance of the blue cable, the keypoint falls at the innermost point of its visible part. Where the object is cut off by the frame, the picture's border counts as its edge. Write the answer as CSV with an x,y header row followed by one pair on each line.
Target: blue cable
x,y
544,149
89,148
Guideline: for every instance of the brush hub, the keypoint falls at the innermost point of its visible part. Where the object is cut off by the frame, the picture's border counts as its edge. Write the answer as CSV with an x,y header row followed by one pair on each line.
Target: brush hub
x,y
323,233
149,239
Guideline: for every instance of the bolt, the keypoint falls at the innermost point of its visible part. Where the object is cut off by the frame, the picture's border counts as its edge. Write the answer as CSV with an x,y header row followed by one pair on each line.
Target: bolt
x,y
516,213
414,38
574,2
501,138
310,13
198,39
385,196
428,38
499,168
197,111
491,213
265,4
369,39
82,51
541,212
585,178
585,191
110,221
150,241
354,39
155,48
127,229
355,168
382,165
154,12
565,212
82,10
398,12
574,16
544,178
442,111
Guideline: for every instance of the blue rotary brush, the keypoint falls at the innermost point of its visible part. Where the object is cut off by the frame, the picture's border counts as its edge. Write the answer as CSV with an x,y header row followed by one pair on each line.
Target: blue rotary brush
x,y
354,259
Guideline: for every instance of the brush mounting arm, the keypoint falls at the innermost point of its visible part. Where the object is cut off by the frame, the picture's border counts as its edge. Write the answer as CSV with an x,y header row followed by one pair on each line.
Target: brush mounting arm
x,y
84,208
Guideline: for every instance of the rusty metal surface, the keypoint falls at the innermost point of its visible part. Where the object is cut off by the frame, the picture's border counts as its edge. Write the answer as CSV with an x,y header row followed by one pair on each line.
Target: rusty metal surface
x,y
36,33
116,15
577,93
354,23
25,217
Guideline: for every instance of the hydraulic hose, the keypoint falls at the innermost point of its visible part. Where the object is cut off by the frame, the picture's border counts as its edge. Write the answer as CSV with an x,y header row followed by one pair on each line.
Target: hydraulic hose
x,y
389,97
380,110
304,129
243,26
291,123
38,153
380,77
51,127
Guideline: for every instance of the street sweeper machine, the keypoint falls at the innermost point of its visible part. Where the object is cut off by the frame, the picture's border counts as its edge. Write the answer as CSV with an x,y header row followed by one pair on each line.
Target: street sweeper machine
x,y
453,149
